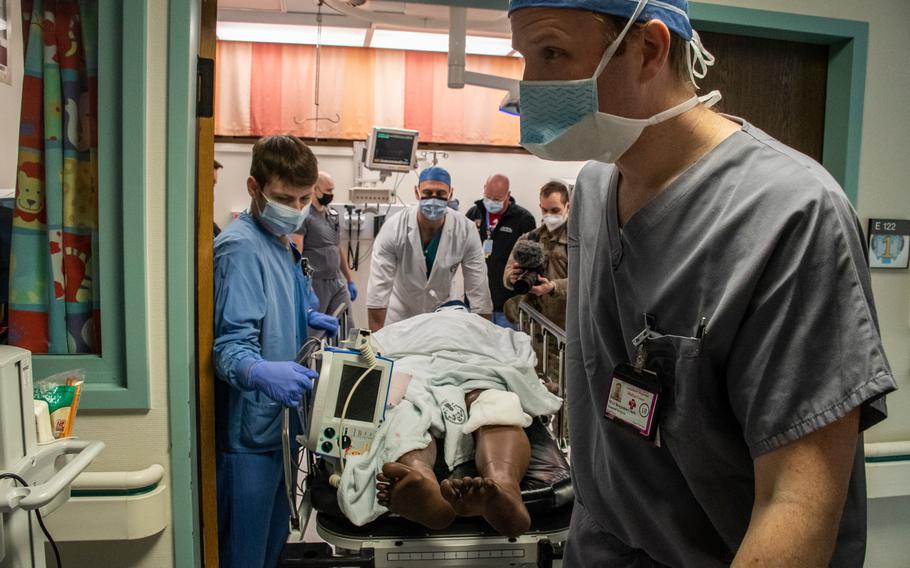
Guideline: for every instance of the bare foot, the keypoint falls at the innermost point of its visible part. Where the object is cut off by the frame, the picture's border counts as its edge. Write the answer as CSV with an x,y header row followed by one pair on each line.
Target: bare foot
x,y
413,493
499,503
464,495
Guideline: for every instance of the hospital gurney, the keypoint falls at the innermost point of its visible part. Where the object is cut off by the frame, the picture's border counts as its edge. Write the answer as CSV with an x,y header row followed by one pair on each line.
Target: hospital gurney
x,y
393,541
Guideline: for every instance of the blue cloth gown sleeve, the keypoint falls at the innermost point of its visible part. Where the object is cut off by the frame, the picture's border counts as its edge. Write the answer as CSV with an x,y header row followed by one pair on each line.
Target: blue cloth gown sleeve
x,y
240,307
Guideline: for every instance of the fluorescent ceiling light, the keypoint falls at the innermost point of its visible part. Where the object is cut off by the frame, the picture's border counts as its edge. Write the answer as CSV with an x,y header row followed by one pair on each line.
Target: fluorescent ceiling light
x,y
413,41
478,45
355,37
278,33
425,41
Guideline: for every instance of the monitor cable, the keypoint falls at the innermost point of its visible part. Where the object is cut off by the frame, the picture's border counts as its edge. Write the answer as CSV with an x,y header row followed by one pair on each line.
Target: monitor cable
x,y
47,534
366,351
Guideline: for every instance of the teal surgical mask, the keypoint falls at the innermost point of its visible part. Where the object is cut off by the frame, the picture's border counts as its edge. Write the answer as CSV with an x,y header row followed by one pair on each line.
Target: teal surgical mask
x,y
281,220
492,205
561,119
432,208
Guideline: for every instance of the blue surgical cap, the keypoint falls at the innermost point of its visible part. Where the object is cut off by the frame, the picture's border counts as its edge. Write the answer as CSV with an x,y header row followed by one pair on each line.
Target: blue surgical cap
x,y
674,13
453,306
435,173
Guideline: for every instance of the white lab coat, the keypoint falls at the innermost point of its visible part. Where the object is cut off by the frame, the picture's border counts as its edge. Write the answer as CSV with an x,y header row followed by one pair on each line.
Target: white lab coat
x,y
398,271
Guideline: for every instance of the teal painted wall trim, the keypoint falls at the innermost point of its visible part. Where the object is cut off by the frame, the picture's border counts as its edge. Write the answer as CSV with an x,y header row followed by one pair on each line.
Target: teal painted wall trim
x,y
844,110
888,459
183,45
771,25
135,114
118,378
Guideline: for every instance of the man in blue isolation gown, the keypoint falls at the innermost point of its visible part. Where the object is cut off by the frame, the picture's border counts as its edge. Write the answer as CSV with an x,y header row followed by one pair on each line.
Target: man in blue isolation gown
x,y
262,299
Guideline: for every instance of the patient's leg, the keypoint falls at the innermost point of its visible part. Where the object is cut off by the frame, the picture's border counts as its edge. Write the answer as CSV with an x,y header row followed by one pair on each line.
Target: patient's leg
x,y
502,454
409,488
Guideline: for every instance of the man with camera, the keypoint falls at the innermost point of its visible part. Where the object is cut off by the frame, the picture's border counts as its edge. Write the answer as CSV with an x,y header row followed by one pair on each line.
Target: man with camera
x,y
538,264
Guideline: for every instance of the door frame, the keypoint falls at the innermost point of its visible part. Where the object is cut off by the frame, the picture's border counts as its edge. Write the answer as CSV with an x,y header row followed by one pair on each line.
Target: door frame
x,y
848,44
184,24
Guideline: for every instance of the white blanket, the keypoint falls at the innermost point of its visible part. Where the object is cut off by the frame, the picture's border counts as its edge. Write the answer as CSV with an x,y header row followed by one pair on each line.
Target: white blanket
x,y
449,354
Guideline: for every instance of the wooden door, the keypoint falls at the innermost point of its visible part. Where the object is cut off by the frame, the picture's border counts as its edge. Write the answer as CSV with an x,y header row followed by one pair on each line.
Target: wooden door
x,y
778,86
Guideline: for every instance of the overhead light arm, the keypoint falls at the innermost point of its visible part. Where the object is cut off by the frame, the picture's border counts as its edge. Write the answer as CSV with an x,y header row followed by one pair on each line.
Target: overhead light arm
x,y
459,76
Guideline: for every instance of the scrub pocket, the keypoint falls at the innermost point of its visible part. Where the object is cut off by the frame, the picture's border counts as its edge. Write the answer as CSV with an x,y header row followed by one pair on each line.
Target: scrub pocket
x,y
260,424
677,360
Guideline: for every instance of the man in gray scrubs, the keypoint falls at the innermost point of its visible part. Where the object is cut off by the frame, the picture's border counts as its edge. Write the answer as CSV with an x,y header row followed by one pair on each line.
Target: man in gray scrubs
x,y
723,349
319,240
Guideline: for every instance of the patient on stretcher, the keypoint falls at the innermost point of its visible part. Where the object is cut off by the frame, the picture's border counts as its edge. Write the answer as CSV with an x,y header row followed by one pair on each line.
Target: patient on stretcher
x,y
409,488
473,390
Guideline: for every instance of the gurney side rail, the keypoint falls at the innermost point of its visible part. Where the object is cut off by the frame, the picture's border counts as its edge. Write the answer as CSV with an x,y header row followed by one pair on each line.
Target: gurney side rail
x,y
531,321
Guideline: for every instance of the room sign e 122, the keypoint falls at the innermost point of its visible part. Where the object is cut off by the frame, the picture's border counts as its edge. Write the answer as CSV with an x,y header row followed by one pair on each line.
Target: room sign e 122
x,y
889,243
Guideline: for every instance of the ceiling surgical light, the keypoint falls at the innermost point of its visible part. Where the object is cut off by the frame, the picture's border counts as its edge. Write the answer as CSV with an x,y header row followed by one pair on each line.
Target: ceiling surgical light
x,y
459,76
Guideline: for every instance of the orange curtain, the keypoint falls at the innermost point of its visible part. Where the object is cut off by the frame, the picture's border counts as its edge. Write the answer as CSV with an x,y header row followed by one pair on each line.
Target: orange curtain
x,y
265,88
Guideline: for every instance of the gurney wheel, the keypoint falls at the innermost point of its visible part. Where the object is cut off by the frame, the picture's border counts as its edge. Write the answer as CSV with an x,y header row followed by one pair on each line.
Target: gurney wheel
x,y
547,553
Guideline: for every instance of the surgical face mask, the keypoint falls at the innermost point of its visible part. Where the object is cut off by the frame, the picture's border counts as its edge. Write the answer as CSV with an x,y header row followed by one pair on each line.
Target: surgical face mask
x,y
325,199
432,208
492,205
561,120
281,220
554,222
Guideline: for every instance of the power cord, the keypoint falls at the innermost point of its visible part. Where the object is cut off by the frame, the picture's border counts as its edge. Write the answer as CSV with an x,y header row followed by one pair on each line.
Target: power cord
x,y
47,534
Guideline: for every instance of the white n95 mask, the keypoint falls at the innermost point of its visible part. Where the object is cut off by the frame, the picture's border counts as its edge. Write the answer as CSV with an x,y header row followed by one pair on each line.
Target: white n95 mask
x,y
561,120
554,222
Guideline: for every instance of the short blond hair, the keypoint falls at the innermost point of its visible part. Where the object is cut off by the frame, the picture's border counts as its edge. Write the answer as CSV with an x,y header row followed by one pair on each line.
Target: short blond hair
x,y
677,57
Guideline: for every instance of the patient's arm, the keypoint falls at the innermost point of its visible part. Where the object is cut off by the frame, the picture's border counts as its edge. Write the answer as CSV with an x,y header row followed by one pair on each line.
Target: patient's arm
x,y
376,317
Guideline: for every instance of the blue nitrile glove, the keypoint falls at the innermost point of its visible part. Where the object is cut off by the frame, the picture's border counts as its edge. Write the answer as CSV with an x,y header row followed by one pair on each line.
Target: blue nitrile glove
x,y
282,381
352,290
319,320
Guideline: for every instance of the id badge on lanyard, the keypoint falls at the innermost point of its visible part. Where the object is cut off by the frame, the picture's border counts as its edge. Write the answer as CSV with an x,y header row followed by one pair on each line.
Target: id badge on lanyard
x,y
633,400
488,242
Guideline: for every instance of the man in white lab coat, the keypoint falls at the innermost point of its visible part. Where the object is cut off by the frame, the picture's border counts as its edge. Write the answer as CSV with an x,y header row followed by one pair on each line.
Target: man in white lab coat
x,y
416,255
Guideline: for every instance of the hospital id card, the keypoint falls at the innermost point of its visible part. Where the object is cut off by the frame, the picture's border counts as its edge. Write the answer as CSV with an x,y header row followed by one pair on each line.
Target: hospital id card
x,y
633,400
487,247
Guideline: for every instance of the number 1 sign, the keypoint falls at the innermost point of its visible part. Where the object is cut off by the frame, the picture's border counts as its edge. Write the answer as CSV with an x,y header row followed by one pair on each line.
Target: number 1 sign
x,y
889,243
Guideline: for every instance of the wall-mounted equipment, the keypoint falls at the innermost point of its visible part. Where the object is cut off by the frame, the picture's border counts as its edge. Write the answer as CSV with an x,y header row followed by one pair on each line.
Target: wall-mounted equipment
x,y
34,479
371,195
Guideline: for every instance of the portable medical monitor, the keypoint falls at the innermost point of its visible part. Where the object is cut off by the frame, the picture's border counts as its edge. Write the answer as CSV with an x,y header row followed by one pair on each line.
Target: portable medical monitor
x,y
334,431
392,149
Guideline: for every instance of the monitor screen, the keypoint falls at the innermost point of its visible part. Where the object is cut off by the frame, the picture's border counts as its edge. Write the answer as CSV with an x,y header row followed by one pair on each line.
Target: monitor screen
x,y
393,148
363,404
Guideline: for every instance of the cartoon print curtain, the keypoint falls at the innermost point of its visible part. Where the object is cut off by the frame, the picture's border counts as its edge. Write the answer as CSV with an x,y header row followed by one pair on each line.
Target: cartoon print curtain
x,y
54,305
265,88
